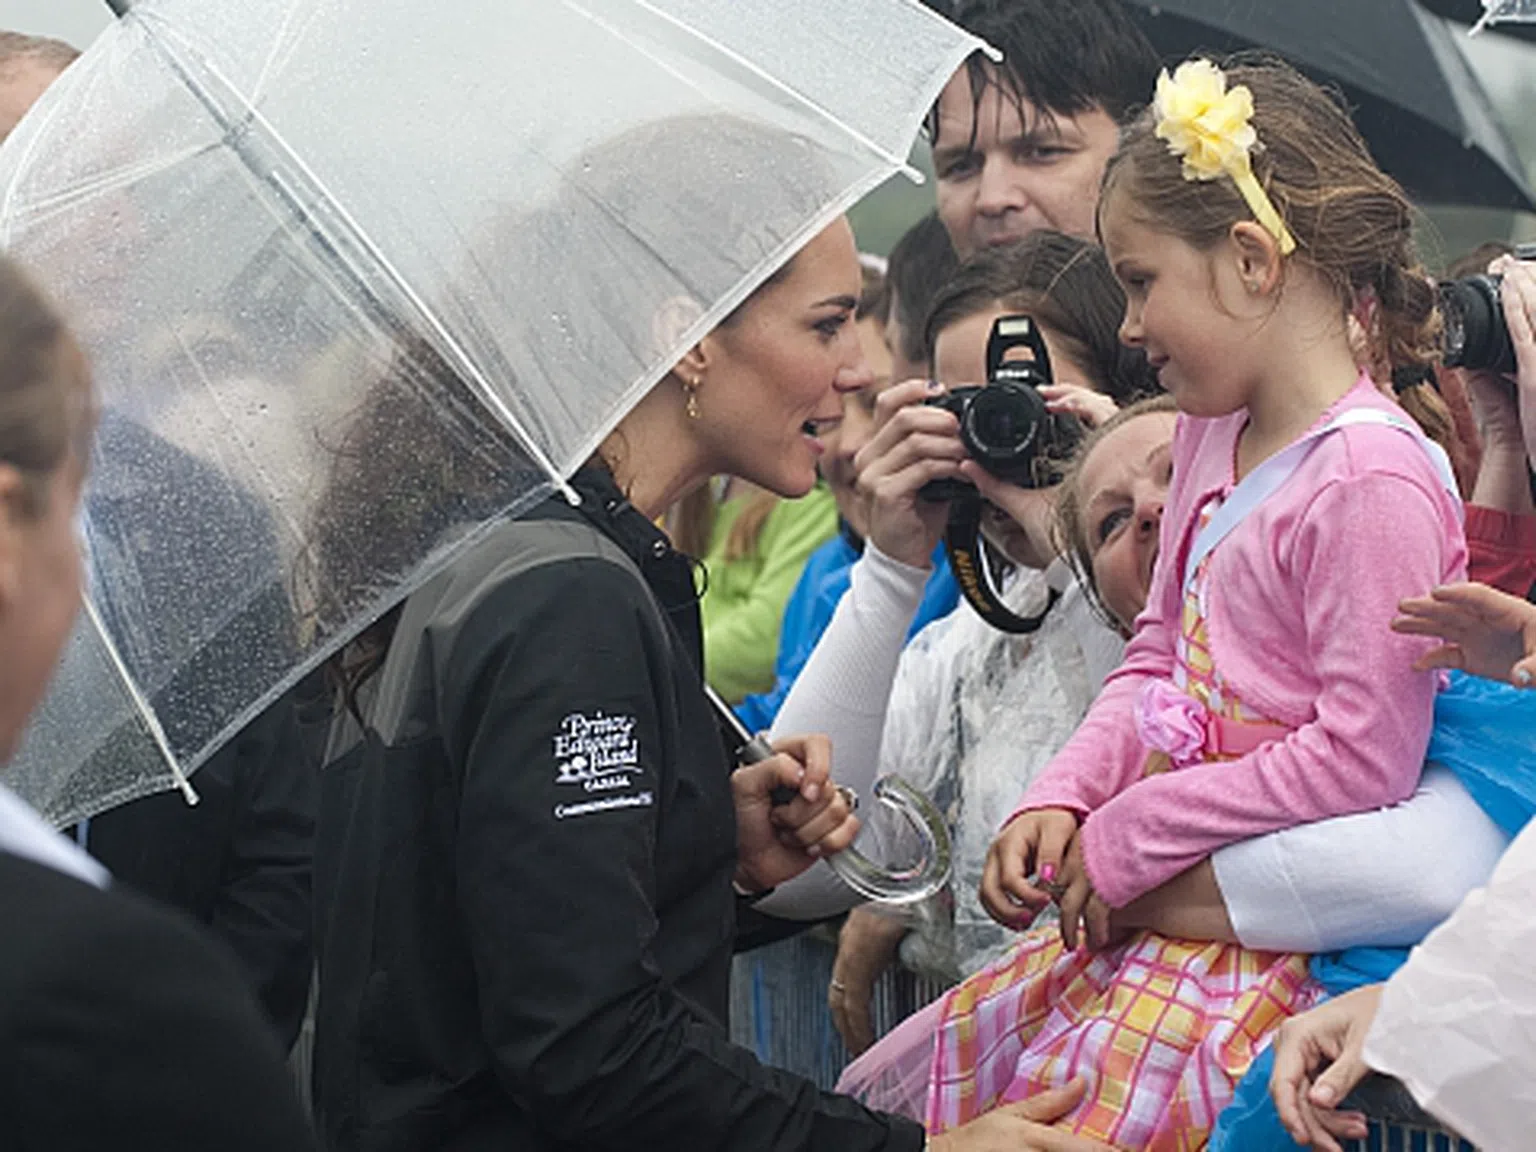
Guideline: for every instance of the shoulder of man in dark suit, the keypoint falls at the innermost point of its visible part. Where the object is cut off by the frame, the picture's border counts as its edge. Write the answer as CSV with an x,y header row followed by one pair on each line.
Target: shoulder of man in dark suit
x,y
124,1025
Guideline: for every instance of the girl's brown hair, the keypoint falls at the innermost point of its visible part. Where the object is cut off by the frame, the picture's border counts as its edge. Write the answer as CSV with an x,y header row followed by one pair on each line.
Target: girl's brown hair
x,y
43,386
1352,222
1073,539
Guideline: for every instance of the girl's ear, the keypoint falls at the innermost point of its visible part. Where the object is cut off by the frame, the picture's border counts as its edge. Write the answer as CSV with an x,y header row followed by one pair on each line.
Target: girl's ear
x,y
1259,263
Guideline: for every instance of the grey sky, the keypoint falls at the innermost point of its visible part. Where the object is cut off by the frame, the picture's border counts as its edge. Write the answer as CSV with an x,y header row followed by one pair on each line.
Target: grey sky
x,y
78,21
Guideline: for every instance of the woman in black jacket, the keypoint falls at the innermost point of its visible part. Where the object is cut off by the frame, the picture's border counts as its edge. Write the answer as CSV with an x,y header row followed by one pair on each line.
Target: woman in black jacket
x,y
532,844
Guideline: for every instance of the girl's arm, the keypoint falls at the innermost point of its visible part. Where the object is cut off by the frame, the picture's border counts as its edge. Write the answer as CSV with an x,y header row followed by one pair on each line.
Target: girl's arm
x,y
1364,544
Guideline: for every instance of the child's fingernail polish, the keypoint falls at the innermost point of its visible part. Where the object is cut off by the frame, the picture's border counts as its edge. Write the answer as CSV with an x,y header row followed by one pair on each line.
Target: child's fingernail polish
x,y
1048,873
1523,677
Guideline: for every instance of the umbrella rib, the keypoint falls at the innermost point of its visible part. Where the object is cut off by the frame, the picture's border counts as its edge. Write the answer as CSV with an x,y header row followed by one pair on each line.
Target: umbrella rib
x,y
141,702
237,136
898,163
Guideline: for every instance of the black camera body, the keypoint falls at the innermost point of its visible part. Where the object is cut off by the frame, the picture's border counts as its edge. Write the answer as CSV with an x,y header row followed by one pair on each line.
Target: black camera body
x,y
1476,336
1005,425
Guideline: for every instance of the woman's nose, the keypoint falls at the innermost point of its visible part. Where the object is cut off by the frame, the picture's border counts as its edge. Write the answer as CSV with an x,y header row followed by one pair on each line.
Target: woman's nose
x,y
1149,513
1130,329
850,378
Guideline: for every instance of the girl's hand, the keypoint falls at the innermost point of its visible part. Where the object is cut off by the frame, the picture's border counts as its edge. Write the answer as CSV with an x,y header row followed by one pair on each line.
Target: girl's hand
x,y
1033,844
1333,1033
912,444
1092,408
775,843
1481,630
1080,904
1518,296
1022,1127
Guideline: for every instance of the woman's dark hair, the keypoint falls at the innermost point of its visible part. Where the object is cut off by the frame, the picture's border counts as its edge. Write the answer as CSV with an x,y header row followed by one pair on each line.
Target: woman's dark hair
x,y
422,459
1065,284
923,259
44,386
1072,534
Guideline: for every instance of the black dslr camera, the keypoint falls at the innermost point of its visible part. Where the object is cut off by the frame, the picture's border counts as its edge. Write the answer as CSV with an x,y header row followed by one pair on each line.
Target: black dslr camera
x,y
1005,426
1476,336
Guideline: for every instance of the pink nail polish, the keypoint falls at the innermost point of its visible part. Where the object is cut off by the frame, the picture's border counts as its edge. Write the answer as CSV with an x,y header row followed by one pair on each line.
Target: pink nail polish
x,y
1048,873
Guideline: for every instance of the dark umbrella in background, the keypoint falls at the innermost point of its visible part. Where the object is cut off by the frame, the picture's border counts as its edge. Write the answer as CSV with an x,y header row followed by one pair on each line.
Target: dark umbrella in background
x,y
1414,97
1471,12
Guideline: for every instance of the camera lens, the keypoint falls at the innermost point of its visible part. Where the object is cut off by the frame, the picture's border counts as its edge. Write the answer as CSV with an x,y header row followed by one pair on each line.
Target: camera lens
x,y
1475,334
1002,422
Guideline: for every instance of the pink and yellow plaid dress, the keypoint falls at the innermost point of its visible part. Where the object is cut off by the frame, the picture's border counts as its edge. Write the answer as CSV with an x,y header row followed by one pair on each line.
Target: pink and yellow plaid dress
x,y
1162,1030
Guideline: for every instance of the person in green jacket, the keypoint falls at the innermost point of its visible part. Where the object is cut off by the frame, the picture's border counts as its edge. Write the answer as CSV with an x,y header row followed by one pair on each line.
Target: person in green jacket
x,y
757,546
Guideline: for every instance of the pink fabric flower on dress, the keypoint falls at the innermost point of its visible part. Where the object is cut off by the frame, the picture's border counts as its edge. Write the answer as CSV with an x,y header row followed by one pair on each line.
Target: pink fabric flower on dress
x,y
1171,721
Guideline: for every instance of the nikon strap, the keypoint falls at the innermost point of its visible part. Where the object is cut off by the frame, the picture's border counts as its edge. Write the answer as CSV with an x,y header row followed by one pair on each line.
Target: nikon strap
x,y
964,546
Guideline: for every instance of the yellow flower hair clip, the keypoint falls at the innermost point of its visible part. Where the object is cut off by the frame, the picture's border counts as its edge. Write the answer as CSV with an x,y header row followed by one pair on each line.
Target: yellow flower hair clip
x,y
1208,127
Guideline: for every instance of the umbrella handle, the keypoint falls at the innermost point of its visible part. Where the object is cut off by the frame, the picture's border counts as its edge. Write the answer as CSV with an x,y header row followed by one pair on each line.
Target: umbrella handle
x,y
894,798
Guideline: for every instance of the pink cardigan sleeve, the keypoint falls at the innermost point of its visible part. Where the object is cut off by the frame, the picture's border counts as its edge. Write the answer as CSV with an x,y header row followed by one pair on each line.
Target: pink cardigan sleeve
x,y
1104,756
1356,554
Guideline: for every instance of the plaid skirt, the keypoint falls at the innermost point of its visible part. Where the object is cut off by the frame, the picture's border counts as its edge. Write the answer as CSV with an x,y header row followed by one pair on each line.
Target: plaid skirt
x,y
1162,1030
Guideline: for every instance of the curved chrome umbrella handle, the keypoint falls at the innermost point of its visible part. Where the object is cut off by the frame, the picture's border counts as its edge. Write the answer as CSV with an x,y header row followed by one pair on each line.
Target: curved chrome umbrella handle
x,y
900,813
920,872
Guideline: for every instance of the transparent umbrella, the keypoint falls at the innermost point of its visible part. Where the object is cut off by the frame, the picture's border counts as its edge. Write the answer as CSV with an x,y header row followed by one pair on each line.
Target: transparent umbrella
x,y
255,213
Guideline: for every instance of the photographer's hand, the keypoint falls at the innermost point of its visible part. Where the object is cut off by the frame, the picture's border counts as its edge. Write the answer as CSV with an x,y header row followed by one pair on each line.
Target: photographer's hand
x,y
913,444
1518,296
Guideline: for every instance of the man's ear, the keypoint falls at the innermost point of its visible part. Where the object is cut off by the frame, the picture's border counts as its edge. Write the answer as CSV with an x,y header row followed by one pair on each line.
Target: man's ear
x,y
1259,263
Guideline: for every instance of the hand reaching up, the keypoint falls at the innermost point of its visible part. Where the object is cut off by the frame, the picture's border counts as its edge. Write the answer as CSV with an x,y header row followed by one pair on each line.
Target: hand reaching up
x,y
1481,630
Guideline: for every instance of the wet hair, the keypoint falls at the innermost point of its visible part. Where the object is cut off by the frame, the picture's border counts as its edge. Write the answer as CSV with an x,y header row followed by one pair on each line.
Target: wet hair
x,y
922,260
1062,56
1064,283
1353,224
1072,534
44,390
17,46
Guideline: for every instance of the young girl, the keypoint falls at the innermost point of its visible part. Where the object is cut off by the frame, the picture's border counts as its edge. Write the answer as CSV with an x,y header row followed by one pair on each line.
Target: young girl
x,y
1263,687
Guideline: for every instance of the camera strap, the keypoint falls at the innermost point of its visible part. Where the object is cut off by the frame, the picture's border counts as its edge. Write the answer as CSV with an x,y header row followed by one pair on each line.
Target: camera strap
x,y
964,545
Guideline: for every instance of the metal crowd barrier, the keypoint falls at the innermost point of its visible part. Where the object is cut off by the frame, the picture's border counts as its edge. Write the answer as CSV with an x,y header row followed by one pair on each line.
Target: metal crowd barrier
x,y
1396,1123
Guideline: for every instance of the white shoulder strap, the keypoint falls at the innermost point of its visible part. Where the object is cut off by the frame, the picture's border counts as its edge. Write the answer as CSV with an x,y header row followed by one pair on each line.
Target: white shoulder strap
x,y
1268,477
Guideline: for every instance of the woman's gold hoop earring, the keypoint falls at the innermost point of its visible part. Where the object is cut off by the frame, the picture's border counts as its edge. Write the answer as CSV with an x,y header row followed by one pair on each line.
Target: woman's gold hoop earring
x,y
691,387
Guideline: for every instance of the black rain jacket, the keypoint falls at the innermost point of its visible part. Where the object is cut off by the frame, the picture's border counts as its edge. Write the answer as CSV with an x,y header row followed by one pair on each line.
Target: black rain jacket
x,y
523,869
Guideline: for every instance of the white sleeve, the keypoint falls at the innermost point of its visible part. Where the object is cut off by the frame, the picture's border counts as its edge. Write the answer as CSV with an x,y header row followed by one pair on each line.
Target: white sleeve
x,y
1457,1023
843,691
1380,878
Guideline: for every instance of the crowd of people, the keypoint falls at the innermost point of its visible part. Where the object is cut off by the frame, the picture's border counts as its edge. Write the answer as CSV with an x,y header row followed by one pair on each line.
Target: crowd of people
x,y
1270,579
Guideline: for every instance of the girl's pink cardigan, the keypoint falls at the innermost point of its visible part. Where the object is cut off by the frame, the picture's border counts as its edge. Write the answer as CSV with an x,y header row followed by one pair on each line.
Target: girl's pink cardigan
x,y
1302,593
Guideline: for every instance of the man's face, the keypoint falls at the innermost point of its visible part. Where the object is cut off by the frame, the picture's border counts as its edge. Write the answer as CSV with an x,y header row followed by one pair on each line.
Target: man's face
x,y
21,83
1022,171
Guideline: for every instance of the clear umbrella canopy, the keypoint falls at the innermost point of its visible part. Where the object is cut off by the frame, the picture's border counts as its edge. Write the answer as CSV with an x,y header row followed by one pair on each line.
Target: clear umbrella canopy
x,y
285,229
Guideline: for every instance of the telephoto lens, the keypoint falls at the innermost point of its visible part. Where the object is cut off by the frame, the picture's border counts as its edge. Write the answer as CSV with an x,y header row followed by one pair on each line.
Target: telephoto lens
x,y
1476,336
